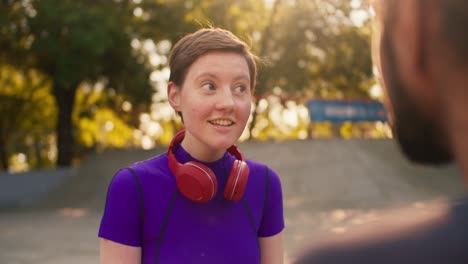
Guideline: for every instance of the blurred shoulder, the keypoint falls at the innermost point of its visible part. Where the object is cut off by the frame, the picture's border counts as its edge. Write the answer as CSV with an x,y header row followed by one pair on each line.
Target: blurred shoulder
x,y
394,236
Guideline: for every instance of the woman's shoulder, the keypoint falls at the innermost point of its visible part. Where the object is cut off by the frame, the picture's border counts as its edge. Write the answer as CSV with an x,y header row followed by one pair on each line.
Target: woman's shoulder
x,y
152,173
154,168
256,165
259,167
263,172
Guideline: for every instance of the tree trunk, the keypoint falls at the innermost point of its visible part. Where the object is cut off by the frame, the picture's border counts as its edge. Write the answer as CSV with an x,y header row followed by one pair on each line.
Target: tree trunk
x,y
254,120
37,153
3,155
65,99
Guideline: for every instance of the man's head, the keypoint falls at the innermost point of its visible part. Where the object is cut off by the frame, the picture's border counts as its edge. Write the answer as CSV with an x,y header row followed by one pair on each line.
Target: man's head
x,y
415,44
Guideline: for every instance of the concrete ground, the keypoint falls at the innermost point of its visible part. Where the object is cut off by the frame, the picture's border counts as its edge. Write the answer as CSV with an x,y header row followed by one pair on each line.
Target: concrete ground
x,y
329,186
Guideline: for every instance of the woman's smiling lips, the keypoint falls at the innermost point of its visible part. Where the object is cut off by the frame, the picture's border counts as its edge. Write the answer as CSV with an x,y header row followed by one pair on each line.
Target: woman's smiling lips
x,y
221,122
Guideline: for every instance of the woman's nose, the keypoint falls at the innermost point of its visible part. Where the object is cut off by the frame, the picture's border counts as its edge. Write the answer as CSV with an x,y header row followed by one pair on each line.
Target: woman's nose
x,y
225,99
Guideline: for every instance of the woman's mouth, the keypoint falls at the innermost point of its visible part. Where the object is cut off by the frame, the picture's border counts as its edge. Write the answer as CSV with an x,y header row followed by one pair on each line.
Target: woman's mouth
x,y
221,122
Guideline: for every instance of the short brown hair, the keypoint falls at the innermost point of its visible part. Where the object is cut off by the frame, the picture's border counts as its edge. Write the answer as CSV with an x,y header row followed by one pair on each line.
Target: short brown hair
x,y
192,46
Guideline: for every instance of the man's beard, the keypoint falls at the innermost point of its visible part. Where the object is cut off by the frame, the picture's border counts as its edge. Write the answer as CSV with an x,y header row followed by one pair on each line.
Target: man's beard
x,y
419,137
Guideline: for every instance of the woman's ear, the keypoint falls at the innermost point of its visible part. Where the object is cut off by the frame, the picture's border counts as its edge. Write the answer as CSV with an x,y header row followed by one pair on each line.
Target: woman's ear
x,y
173,94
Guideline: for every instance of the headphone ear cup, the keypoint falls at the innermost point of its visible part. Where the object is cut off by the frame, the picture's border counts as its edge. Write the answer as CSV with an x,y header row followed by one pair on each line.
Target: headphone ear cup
x,y
196,182
237,181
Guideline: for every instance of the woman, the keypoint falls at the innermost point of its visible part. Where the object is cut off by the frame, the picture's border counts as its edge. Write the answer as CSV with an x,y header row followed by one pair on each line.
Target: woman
x,y
200,202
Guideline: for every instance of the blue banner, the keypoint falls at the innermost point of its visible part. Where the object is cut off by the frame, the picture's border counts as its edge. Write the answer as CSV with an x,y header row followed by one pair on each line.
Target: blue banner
x,y
340,111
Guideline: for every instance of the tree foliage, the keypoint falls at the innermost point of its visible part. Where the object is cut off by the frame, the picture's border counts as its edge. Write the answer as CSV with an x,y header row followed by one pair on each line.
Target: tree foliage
x,y
28,115
317,49
72,42
311,48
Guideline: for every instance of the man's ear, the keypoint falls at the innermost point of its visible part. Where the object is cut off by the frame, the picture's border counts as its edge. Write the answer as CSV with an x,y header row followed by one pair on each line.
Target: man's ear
x,y
173,94
408,38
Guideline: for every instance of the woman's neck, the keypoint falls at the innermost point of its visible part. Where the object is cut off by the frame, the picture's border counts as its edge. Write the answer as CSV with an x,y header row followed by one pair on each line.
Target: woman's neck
x,y
202,153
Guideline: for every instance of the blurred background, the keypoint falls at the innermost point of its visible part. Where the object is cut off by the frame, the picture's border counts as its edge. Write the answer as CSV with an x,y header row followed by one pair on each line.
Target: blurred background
x,y
78,77
83,93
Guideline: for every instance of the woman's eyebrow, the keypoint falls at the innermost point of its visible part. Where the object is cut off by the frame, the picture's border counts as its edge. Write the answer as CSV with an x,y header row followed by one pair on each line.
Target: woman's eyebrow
x,y
214,76
206,74
242,77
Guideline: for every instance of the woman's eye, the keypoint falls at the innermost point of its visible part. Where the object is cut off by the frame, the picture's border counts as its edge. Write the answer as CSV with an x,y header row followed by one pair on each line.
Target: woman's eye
x,y
241,88
208,86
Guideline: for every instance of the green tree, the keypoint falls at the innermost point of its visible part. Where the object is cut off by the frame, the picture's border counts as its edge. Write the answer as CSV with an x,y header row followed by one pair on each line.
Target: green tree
x,y
317,50
28,115
72,42
100,119
325,53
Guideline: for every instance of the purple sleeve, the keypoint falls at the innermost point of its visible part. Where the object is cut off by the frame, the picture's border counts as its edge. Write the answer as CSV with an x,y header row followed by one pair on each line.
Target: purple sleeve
x,y
121,219
273,218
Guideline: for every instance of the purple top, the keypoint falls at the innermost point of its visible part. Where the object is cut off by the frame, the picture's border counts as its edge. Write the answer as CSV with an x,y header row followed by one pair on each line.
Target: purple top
x,y
177,230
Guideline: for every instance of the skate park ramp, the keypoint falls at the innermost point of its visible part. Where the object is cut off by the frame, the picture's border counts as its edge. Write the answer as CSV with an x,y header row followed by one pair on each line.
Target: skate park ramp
x,y
318,174
329,186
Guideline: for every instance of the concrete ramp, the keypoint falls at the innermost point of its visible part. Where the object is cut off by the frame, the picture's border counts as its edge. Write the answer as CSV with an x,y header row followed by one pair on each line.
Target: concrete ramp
x,y
316,174
88,188
353,173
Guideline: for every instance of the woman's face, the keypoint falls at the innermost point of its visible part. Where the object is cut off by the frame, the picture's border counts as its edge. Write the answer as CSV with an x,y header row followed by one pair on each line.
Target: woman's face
x,y
215,102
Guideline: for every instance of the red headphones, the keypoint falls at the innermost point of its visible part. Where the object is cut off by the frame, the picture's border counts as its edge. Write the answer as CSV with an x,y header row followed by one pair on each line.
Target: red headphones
x,y
198,183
